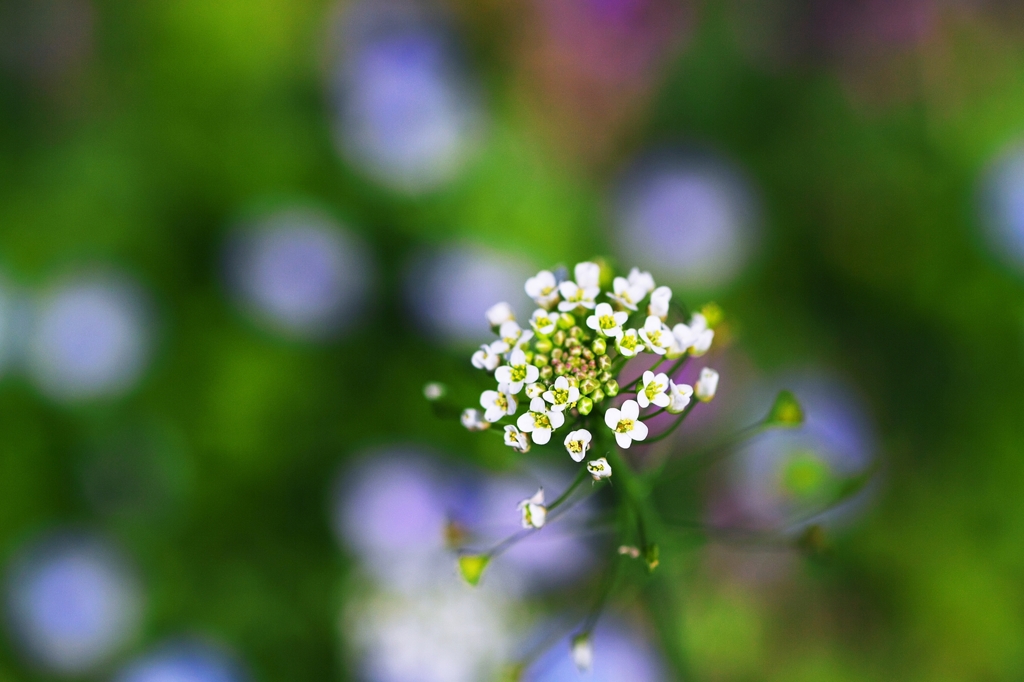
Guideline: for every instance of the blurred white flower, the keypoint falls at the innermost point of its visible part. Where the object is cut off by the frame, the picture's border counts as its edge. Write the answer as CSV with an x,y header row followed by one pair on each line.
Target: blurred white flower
x,y
660,299
500,313
543,322
498,403
533,510
599,468
516,439
489,356
582,653
680,395
696,337
626,294
707,385
543,289
474,420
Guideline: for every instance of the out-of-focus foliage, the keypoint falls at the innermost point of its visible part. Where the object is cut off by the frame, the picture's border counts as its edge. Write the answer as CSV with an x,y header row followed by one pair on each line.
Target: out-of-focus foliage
x,y
136,138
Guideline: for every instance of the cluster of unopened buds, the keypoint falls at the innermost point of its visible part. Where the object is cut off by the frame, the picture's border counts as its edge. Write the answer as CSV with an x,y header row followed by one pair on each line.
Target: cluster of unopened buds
x,y
568,369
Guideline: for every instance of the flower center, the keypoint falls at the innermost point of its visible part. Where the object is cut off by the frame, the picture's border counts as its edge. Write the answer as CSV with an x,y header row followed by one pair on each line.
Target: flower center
x,y
575,446
501,401
560,395
653,389
629,342
541,421
624,426
607,322
655,337
518,373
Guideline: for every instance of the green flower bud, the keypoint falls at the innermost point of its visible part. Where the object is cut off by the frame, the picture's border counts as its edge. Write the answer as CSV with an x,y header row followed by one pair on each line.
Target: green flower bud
x,y
600,346
588,354
558,338
575,332
588,386
604,362
585,405
566,320
573,381
529,356
652,557
597,396
540,360
543,345
611,388
557,353
604,376
546,373
472,566
786,411
577,350
573,343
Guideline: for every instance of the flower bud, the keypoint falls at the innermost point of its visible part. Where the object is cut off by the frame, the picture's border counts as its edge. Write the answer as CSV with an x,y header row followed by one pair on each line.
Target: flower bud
x,y
557,353
472,566
713,313
573,343
585,405
611,388
604,362
597,396
543,345
573,381
540,361
566,320
786,411
600,346
558,338
575,332
582,653
652,557
529,356
576,350
588,386
434,391
546,373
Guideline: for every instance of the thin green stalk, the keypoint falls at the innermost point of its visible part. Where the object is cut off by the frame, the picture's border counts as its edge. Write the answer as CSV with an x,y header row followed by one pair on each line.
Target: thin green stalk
x,y
580,477
668,432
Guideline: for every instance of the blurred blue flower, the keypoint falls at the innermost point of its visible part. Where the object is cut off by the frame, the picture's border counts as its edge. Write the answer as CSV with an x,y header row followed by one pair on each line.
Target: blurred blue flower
x,y
72,602
693,219
448,291
297,272
189,661
90,337
407,113
1002,209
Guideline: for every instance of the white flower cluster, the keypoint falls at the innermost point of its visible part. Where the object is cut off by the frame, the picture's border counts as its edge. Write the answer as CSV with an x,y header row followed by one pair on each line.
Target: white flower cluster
x,y
568,358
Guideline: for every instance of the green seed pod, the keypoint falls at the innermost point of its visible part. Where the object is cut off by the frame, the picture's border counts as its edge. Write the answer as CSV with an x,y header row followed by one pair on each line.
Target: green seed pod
x,y
600,346
546,373
604,362
585,405
540,360
588,386
543,345
611,388
558,338
597,396
566,320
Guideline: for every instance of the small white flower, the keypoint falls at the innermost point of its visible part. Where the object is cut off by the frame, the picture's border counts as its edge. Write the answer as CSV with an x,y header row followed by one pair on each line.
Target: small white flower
x,y
543,322
574,296
540,421
489,356
626,294
577,443
516,439
582,653
629,344
680,395
500,312
535,390
498,403
707,385
473,420
641,280
588,274
510,334
434,391
543,289
626,424
660,299
654,391
599,468
606,321
534,511
657,337
562,395
517,372
694,337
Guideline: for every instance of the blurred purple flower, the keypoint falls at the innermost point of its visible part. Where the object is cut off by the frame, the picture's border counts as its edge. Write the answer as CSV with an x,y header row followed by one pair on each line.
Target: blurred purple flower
x,y
187,661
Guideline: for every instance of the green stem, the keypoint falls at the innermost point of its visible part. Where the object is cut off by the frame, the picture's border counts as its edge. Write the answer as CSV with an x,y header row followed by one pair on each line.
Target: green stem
x,y
668,432
611,578
580,477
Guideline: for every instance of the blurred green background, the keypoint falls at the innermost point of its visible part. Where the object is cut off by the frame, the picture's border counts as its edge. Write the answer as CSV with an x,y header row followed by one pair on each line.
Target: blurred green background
x,y
134,137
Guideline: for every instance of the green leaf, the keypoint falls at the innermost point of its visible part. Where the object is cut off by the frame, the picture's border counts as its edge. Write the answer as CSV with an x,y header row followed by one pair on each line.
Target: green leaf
x,y
786,411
